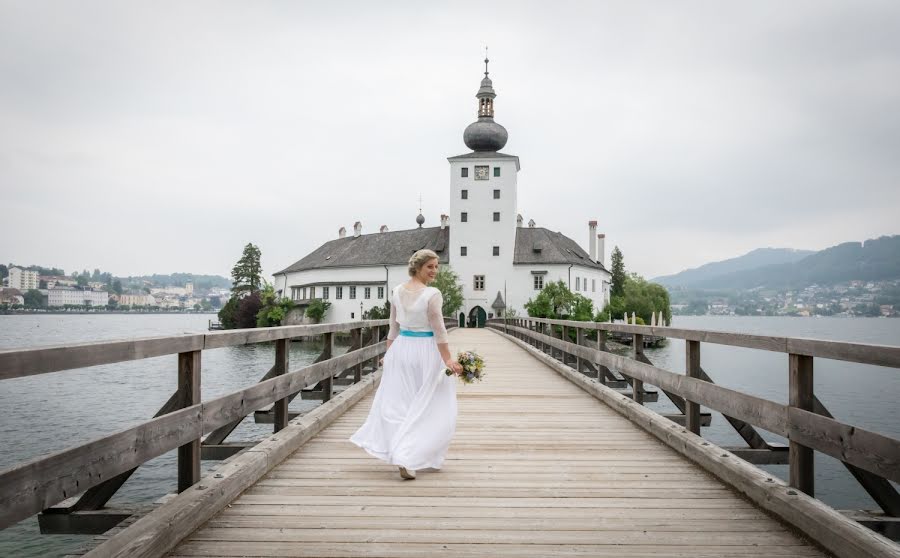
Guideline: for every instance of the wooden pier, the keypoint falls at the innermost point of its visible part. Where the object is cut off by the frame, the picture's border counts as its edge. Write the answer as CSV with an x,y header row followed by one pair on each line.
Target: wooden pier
x,y
554,455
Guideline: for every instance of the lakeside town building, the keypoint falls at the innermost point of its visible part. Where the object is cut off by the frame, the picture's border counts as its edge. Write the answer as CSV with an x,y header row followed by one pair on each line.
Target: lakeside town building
x,y
62,296
23,279
500,262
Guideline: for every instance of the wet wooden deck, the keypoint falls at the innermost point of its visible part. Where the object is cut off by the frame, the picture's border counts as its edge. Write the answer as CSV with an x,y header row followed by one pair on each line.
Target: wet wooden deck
x,y
537,468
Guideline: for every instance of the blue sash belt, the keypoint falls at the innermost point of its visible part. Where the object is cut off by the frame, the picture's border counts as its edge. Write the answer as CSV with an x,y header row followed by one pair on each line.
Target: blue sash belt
x,y
409,333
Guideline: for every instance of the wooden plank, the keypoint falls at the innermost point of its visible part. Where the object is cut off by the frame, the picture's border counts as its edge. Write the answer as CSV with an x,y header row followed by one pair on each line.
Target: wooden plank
x,y
637,386
882,491
328,353
862,448
376,549
879,355
189,396
28,488
800,390
18,363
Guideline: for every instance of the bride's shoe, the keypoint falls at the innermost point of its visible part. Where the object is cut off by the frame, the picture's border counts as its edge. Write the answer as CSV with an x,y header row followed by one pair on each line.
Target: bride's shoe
x,y
407,474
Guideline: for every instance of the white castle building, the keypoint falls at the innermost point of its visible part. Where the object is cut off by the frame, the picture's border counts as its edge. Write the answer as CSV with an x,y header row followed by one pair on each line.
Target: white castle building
x,y
501,264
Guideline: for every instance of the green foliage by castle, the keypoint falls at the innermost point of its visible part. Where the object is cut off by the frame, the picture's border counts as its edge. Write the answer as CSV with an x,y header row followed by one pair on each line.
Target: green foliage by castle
x,y
557,302
316,309
378,312
447,282
640,297
274,309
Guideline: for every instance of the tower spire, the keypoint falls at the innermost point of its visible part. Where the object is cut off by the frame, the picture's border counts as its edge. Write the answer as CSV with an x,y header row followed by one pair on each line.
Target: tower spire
x,y
486,60
485,134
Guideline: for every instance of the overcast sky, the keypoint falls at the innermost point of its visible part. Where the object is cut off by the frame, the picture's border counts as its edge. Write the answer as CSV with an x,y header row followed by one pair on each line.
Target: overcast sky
x,y
143,137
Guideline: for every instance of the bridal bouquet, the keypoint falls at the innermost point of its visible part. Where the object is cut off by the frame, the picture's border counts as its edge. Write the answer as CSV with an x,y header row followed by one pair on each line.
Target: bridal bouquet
x,y
472,364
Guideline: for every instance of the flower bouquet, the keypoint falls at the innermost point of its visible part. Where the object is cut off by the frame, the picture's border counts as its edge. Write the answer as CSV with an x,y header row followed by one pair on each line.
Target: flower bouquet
x,y
472,364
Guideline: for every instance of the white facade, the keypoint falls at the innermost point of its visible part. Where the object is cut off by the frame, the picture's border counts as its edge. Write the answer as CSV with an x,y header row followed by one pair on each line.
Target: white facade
x,y
325,283
136,300
63,296
23,279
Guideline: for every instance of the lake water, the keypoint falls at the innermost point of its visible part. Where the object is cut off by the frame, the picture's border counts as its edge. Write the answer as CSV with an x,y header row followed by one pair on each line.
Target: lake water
x,y
50,412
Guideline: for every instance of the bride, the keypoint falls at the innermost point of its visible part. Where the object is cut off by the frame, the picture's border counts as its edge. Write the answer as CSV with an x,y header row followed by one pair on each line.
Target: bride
x,y
413,416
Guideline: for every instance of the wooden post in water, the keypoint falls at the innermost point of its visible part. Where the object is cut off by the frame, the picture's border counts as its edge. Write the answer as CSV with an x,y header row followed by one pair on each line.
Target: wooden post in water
x,y
800,395
189,394
692,370
327,352
637,386
282,366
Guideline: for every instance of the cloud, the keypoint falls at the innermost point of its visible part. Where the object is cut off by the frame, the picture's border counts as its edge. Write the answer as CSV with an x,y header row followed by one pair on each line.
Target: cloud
x,y
159,137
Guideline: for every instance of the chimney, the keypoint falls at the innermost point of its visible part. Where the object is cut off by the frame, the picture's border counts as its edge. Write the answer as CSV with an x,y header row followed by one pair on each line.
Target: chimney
x,y
519,220
531,223
383,229
445,221
357,229
342,232
601,249
592,240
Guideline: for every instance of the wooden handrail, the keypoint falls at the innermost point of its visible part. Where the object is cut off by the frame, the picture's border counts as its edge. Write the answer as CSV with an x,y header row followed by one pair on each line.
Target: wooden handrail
x,y
864,353
17,363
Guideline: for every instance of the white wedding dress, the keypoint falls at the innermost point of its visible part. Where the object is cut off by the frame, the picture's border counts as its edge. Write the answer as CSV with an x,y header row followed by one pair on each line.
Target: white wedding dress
x,y
413,416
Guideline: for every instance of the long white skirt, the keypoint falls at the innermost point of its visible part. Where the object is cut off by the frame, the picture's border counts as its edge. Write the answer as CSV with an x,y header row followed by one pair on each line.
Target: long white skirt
x,y
413,416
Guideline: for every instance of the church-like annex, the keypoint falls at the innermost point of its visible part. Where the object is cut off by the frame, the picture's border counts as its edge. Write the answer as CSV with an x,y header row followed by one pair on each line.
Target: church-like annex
x,y
501,262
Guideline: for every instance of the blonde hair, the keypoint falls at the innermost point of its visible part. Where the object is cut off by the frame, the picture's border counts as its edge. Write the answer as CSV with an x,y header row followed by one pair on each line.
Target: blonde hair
x,y
419,259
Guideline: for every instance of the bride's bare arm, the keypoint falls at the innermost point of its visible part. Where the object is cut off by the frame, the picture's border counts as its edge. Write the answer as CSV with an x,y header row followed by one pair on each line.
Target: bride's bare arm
x,y
436,321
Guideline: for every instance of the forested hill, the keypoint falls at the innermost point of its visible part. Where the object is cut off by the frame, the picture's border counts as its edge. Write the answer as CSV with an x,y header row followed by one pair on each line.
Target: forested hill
x,y
873,260
760,257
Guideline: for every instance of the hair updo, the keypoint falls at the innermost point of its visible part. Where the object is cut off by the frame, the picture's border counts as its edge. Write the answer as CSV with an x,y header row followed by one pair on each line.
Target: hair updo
x,y
419,259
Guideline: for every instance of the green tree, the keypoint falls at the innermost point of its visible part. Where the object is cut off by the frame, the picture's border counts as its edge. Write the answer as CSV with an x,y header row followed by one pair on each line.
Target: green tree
x,y
274,309
554,301
316,309
4,272
34,299
378,312
447,282
617,281
227,315
641,298
245,275
117,287
582,309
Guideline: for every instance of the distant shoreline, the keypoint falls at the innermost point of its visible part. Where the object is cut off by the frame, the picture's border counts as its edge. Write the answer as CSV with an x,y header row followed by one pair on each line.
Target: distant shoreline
x,y
77,312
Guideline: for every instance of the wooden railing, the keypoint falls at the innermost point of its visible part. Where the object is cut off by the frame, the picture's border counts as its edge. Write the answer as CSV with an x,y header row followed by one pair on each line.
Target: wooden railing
x,y
872,458
96,469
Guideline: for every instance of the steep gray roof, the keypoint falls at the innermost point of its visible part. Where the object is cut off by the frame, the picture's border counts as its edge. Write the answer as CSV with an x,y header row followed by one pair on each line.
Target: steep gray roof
x,y
387,248
537,245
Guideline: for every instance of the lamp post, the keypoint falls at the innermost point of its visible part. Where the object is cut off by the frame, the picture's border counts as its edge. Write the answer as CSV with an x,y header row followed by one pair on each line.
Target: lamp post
x,y
360,310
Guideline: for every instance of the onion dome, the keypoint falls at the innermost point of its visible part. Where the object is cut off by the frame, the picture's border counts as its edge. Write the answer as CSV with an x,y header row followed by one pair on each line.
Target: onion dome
x,y
420,219
485,134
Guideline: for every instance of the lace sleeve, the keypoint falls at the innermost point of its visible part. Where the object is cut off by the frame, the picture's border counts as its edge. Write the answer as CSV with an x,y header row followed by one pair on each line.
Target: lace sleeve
x,y
394,330
436,317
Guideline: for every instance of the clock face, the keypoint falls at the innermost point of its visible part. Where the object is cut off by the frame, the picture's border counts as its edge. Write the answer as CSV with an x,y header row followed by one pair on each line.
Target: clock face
x,y
481,173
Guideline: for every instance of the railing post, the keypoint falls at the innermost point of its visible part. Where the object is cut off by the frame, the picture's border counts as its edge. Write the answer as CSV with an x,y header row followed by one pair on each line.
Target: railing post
x,y
564,337
327,352
282,366
692,370
189,394
800,390
637,386
601,346
579,340
356,335
376,339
